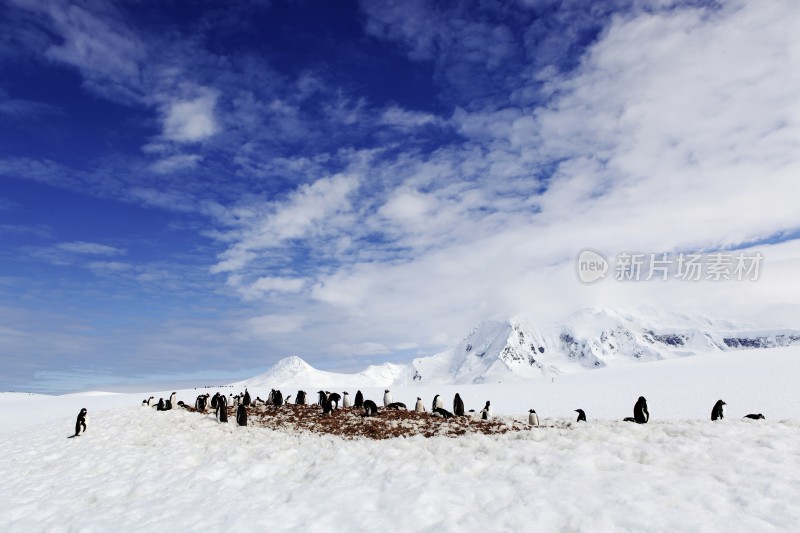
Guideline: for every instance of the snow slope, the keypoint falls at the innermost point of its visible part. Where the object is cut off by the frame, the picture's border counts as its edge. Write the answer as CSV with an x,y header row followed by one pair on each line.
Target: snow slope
x,y
140,470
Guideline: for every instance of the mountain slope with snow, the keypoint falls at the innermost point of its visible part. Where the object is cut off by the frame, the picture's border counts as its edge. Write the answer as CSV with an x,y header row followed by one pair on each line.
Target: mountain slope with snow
x,y
501,351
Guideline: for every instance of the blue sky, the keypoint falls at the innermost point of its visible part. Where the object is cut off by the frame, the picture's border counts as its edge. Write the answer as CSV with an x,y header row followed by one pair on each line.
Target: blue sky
x,y
198,190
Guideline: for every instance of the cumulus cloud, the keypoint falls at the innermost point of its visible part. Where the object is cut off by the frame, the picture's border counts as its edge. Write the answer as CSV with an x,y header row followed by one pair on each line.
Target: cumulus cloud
x,y
190,120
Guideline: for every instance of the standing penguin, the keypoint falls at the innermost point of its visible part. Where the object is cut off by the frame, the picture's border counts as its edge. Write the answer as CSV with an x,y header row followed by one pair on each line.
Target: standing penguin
x,y
419,407
322,398
80,423
458,406
300,399
278,398
148,401
359,403
173,399
387,398
241,415
214,400
533,418
247,399
346,400
581,415
486,413
640,413
160,406
222,410
327,405
718,412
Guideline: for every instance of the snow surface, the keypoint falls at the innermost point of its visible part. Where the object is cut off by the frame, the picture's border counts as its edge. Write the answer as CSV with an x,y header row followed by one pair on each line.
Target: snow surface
x,y
136,469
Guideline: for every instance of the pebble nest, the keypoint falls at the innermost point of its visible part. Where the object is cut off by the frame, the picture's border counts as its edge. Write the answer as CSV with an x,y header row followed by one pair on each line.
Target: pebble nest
x,y
350,423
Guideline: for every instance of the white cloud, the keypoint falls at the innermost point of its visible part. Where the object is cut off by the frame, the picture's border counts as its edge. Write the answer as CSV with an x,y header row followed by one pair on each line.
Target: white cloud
x,y
403,118
273,324
88,248
191,120
176,162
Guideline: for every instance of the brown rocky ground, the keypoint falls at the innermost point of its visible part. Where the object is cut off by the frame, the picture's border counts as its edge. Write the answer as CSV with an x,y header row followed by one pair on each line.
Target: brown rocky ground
x,y
390,423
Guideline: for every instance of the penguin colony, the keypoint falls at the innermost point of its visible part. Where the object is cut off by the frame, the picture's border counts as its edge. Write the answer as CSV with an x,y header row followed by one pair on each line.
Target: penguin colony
x,y
328,403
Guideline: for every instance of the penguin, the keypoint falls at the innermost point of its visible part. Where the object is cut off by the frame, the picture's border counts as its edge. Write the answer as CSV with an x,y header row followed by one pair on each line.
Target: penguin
x,y
148,401
322,398
271,397
247,399
759,416
222,410
80,423
387,398
346,400
200,403
437,403
214,401
718,412
173,399
278,398
287,400
581,415
533,418
397,406
370,409
629,419
300,399
327,405
334,398
486,413
443,413
168,405
160,406
458,406
359,403
420,407
182,404
640,413
241,415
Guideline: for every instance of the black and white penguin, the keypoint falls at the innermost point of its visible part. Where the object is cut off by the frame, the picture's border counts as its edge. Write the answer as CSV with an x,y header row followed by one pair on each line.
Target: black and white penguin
x,y
215,401
359,403
148,401
247,400
222,409
334,398
300,399
419,407
443,413
758,416
173,399
370,409
278,398
182,404
486,412
533,418
168,405
322,398
200,403
80,423
387,398
327,405
718,412
437,403
345,400
397,406
160,406
581,415
241,415
458,406
640,413
287,400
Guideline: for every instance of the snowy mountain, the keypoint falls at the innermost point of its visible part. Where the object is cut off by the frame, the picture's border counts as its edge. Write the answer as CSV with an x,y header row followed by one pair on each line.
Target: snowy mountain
x,y
292,372
497,351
